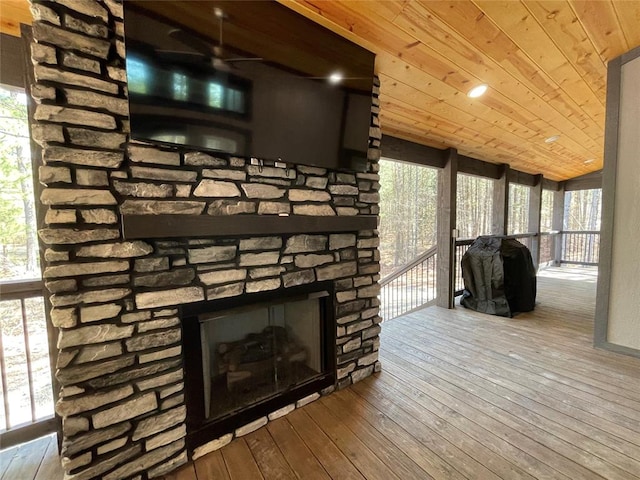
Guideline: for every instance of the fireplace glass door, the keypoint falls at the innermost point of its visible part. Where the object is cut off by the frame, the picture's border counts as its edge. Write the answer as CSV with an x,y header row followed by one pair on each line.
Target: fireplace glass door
x,y
255,352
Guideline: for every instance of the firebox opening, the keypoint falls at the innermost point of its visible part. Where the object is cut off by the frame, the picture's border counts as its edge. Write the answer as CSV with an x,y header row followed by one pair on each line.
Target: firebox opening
x,y
247,357
251,353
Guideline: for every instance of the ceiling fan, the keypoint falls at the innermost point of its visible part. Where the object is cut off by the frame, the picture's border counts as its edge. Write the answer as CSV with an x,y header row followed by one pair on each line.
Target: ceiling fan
x,y
214,54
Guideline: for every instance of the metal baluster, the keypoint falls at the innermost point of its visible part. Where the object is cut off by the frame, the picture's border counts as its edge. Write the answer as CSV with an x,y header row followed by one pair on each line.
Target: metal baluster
x,y
409,293
395,311
414,293
572,240
422,267
431,278
390,284
417,285
579,247
385,302
27,347
395,296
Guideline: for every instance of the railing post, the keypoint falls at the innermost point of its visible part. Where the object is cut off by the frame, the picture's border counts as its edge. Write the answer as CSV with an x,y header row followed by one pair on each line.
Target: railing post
x,y
500,214
558,224
447,190
535,212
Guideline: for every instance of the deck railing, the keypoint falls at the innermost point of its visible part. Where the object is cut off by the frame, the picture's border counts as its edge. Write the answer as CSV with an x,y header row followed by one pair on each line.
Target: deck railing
x,y
461,248
572,247
410,287
26,409
548,248
580,247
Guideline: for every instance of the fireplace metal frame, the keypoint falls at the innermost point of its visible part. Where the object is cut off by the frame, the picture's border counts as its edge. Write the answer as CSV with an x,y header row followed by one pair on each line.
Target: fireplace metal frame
x,y
201,431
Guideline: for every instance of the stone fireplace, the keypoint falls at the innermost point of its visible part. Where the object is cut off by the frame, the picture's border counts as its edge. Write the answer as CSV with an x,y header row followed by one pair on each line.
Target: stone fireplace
x,y
253,355
140,240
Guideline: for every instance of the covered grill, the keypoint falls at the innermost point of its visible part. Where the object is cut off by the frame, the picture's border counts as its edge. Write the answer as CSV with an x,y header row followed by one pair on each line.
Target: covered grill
x,y
499,277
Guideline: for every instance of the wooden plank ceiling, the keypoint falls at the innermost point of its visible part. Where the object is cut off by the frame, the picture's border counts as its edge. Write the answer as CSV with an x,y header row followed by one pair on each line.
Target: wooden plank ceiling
x,y
544,63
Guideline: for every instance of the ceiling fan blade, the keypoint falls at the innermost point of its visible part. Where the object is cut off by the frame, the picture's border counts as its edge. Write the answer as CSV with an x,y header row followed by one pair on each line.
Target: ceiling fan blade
x,y
221,65
190,41
244,59
176,53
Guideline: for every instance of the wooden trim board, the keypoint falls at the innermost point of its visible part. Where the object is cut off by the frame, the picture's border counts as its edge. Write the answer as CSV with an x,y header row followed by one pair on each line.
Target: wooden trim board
x,y
178,226
614,75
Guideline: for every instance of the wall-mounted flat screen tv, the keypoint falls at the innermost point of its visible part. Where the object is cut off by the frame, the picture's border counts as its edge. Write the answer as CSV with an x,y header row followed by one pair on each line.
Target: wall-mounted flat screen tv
x,y
247,78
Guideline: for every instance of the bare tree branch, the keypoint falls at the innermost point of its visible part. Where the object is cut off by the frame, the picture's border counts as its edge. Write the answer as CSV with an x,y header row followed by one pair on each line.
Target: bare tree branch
x,y
3,132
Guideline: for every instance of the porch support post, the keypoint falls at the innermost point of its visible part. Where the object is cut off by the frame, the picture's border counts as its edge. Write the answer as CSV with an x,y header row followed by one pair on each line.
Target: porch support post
x,y
500,215
558,223
535,212
447,187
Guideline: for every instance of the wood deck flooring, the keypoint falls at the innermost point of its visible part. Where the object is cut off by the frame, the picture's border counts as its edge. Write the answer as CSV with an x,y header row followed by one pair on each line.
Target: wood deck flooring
x,y
463,396
36,460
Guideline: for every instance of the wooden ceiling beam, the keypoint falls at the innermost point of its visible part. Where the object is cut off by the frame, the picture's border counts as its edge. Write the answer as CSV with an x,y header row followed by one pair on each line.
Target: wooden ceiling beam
x,y
406,151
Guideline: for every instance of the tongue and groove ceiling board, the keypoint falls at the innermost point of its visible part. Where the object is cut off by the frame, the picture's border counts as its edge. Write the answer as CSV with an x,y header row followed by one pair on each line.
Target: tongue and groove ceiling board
x,y
544,62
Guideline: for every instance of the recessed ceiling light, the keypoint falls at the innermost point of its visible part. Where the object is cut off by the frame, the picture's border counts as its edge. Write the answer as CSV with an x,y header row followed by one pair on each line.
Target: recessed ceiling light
x,y
590,160
478,91
335,78
552,139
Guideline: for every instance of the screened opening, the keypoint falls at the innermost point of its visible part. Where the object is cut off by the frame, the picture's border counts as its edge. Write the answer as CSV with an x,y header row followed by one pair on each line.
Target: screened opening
x,y
475,206
582,210
518,209
25,390
546,212
408,205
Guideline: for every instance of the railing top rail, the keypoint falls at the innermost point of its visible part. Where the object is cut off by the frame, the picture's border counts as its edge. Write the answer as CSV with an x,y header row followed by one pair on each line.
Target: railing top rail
x,y
469,241
404,269
17,289
581,232
465,241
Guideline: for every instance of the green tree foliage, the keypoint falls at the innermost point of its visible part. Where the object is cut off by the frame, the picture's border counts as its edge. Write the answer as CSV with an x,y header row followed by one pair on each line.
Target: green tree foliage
x,y
18,254
408,202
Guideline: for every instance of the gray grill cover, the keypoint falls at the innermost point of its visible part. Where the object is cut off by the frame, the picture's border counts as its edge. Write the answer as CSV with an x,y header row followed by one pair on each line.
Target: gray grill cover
x,y
499,277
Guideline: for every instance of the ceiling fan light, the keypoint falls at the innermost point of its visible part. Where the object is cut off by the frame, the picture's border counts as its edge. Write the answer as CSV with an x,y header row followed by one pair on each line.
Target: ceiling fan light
x,y
477,91
551,139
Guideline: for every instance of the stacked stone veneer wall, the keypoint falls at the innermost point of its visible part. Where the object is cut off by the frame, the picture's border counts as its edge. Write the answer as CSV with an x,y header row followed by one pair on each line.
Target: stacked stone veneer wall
x,y
114,301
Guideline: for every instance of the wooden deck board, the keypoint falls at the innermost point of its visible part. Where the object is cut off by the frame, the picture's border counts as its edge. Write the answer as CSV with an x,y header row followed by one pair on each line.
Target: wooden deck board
x,y
50,467
23,461
336,464
268,456
461,396
301,459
